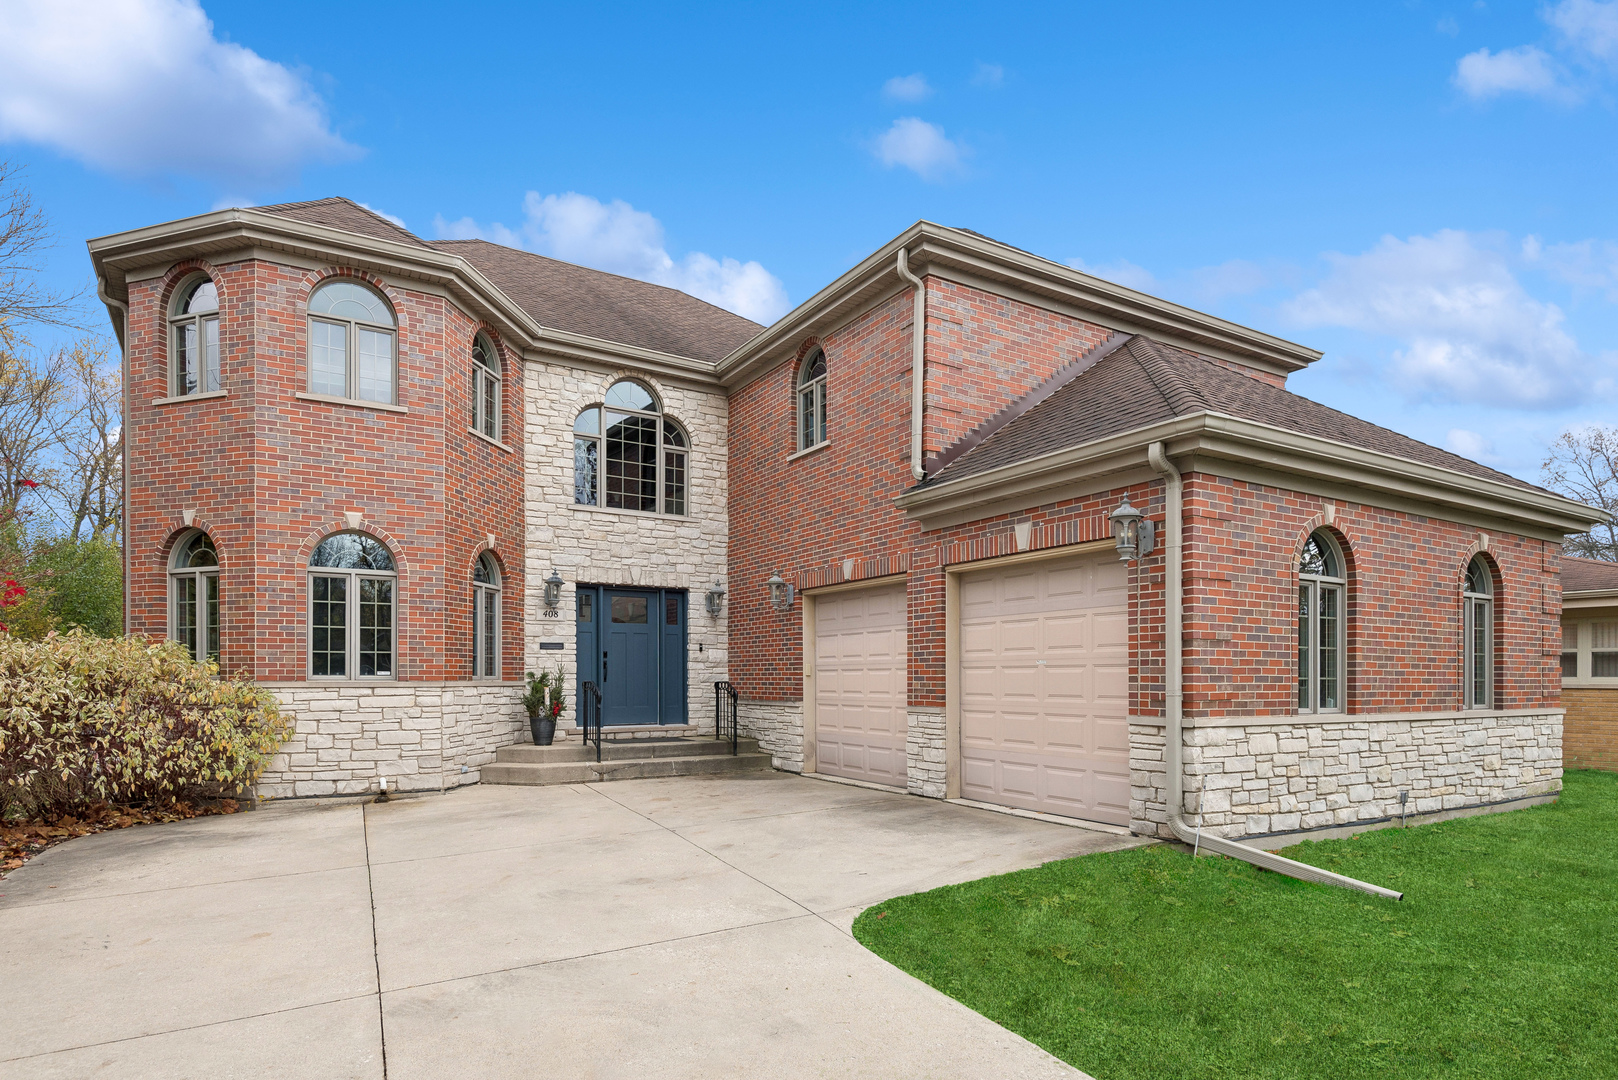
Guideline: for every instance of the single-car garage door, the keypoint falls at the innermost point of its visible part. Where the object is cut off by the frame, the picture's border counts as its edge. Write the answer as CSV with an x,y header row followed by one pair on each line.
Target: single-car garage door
x,y
1045,687
860,661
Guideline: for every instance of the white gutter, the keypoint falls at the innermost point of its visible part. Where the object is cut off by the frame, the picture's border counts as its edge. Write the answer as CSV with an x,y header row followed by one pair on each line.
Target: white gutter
x,y
918,364
1174,700
123,432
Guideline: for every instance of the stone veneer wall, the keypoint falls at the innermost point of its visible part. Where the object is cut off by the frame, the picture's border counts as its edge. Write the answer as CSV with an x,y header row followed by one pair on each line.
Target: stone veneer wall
x,y
925,768
418,735
1262,777
778,727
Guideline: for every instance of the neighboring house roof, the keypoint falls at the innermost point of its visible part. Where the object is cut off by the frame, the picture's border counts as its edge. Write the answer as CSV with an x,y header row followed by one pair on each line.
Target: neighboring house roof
x,y
1587,575
592,302
1147,382
562,295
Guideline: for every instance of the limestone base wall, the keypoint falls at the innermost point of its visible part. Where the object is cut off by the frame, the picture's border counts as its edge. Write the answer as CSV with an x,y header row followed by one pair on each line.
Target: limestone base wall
x,y
1267,775
421,736
778,727
925,741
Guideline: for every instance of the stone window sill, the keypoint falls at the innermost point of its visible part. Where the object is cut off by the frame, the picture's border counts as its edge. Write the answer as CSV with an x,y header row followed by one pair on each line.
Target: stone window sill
x,y
491,442
1590,683
211,394
351,402
631,513
819,446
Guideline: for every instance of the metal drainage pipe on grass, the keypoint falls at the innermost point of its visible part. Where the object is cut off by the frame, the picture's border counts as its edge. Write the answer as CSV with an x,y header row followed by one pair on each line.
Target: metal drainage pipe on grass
x,y
1174,699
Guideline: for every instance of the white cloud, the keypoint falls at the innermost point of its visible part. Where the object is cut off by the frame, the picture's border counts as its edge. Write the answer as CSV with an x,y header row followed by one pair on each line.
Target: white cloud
x,y
1525,69
920,147
622,240
907,88
143,87
1448,25
1122,272
1468,444
1584,264
988,76
1468,330
1587,26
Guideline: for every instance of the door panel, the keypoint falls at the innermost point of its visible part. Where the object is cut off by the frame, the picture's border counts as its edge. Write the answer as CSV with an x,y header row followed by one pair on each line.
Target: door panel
x,y
630,658
860,692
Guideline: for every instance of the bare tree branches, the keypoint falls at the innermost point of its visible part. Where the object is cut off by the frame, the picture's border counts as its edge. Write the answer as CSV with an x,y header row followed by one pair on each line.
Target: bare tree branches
x,y
1583,465
25,236
89,483
31,396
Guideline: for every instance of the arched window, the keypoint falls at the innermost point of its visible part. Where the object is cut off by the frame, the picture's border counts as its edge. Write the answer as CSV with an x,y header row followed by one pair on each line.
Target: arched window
x,y
812,399
1478,627
1321,630
485,388
352,608
194,333
486,618
627,455
194,596
351,343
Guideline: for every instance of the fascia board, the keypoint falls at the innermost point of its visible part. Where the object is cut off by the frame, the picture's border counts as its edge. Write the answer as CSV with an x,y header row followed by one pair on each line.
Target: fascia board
x,y
612,354
1589,598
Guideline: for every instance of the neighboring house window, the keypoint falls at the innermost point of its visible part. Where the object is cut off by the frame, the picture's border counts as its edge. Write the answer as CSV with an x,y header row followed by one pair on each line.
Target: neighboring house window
x,y
485,388
194,596
1478,627
1590,649
486,618
812,400
352,608
194,331
351,343
1322,651
627,455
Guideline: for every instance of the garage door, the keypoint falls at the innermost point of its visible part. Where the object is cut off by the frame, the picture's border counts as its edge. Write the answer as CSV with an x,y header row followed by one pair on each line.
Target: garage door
x,y
860,684
1045,687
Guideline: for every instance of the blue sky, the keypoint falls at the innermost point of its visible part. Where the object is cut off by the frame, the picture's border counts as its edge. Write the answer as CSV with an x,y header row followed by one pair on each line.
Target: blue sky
x,y
1422,190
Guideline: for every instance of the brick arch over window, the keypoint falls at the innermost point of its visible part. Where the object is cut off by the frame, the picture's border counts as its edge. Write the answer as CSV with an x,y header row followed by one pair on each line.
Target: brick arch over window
x,y
1351,601
179,274
1498,600
809,395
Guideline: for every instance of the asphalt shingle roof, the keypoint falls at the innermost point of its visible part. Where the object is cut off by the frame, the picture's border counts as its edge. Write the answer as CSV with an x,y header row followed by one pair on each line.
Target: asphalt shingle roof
x,y
1587,575
345,214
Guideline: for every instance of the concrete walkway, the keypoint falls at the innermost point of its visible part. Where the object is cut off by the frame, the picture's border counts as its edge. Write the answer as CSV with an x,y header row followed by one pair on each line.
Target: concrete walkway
x,y
647,928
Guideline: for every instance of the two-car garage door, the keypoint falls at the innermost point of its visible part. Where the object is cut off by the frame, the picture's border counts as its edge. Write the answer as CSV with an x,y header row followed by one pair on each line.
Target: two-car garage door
x,y
1044,681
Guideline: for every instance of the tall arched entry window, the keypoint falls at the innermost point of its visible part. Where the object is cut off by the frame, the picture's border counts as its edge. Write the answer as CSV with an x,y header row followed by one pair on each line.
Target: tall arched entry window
x,y
194,596
629,455
352,608
1322,649
1477,620
486,618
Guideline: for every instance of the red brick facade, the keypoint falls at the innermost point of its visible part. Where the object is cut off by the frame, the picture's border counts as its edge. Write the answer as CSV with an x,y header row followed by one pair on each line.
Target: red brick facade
x,y
268,474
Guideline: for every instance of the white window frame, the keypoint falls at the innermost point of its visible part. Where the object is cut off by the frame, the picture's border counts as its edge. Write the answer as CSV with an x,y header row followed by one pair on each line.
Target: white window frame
x,y
486,385
672,456
351,622
809,401
202,576
210,375
486,646
1473,607
351,331
1311,587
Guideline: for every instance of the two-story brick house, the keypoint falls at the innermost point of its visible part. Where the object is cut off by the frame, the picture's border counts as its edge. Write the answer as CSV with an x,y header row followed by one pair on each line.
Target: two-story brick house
x,y
915,527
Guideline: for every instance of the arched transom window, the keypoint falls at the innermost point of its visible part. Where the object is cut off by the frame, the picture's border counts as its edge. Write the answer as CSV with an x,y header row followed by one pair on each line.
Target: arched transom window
x,y
351,343
485,388
194,596
1321,631
1478,627
194,333
812,399
352,608
486,618
629,455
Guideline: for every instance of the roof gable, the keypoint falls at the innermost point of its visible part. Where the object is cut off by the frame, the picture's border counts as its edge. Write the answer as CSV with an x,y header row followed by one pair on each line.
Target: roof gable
x,y
345,214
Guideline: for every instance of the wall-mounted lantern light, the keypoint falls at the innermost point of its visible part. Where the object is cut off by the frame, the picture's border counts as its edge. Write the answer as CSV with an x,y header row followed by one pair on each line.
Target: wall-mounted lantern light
x,y
780,592
553,594
716,598
1134,534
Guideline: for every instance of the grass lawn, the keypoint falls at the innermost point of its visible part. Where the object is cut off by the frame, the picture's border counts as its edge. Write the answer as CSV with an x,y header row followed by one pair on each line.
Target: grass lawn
x,y
1501,961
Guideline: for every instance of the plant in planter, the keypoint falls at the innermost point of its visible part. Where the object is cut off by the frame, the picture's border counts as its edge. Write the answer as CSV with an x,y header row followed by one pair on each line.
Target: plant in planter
x,y
541,720
558,696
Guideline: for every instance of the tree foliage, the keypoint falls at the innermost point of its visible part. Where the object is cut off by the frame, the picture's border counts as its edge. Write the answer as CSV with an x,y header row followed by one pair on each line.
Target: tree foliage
x,y
1583,464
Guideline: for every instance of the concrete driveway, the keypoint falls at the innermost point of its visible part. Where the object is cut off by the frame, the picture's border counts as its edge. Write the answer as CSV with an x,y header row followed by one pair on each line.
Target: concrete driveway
x,y
647,928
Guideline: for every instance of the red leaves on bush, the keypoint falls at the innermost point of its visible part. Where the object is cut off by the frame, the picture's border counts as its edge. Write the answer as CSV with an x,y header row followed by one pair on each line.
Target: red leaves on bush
x,y
22,840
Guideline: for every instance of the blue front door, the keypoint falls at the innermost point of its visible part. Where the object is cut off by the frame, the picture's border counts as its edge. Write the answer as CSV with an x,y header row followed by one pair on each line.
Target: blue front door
x,y
632,644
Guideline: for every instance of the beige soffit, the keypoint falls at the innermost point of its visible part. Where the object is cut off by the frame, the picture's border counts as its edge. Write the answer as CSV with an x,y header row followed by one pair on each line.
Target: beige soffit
x,y
232,230
1215,435
1590,598
956,253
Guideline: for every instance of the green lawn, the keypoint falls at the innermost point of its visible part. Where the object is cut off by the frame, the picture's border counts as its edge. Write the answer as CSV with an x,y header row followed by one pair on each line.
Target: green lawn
x,y
1501,961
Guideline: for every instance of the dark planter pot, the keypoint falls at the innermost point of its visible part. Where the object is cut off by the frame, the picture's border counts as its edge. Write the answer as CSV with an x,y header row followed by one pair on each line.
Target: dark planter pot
x,y
544,728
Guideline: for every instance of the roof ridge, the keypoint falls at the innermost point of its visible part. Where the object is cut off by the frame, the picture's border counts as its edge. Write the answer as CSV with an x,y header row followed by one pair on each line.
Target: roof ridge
x,y
1178,391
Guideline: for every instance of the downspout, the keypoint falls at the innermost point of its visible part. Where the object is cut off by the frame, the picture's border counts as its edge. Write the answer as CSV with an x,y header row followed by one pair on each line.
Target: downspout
x,y
918,363
1173,701
123,430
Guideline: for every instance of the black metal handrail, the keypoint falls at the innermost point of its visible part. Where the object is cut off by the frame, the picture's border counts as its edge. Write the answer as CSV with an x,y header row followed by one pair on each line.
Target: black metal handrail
x,y
724,712
590,714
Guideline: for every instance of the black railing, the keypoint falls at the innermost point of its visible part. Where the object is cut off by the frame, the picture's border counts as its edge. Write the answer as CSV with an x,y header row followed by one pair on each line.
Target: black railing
x,y
590,714
724,713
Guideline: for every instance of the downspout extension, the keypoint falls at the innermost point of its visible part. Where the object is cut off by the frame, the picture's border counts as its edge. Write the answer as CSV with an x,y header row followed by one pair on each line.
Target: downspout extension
x,y
1173,702
123,420
918,364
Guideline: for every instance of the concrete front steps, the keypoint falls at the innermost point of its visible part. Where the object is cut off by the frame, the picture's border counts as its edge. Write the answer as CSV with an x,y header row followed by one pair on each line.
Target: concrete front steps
x,y
625,759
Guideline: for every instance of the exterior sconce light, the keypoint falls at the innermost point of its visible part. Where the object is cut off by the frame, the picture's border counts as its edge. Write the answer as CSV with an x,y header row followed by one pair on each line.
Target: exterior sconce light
x,y
716,599
1134,533
553,594
780,592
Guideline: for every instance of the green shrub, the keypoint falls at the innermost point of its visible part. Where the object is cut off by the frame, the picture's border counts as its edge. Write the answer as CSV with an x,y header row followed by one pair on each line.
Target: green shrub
x,y
85,719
